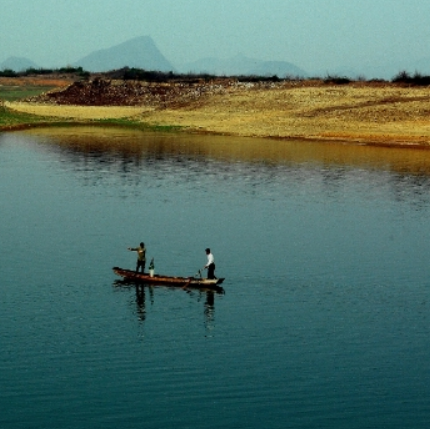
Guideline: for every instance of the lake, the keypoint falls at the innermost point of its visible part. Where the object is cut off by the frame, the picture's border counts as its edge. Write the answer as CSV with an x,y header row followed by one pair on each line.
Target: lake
x,y
324,320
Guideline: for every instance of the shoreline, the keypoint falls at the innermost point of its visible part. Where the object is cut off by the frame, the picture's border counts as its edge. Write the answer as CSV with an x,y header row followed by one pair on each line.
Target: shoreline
x,y
359,113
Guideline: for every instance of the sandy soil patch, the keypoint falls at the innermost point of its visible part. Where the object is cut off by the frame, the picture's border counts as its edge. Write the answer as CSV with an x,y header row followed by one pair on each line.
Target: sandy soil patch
x,y
364,114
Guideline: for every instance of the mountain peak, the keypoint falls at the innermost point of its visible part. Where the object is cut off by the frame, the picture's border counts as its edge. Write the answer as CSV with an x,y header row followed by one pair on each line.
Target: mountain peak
x,y
139,52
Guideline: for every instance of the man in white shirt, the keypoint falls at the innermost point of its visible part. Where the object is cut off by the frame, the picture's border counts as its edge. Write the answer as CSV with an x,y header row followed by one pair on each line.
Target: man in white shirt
x,y
210,264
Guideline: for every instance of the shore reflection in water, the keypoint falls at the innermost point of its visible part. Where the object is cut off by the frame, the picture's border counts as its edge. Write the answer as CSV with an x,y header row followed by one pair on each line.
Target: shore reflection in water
x,y
139,161
129,149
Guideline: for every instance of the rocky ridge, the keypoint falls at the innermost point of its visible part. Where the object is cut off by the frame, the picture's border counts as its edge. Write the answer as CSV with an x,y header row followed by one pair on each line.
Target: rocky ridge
x,y
105,92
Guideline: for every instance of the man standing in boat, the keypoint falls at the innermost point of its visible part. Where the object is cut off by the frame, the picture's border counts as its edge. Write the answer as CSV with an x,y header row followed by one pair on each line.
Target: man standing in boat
x,y
141,256
211,264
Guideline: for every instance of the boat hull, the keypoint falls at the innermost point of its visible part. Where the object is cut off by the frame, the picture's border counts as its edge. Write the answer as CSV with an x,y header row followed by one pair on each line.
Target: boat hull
x,y
196,282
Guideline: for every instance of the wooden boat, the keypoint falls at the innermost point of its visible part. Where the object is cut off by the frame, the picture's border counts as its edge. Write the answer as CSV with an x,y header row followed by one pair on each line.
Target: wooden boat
x,y
195,282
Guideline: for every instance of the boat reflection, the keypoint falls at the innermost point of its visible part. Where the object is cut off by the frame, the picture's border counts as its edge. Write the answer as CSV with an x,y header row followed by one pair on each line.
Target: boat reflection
x,y
209,306
143,290
209,309
141,301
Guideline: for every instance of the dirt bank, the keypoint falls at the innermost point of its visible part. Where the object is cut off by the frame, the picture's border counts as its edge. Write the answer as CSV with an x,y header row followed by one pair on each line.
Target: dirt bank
x,y
371,113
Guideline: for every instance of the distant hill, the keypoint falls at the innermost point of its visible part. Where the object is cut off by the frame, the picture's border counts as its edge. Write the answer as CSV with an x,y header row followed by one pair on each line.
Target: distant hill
x,y
17,64
140,52
242,65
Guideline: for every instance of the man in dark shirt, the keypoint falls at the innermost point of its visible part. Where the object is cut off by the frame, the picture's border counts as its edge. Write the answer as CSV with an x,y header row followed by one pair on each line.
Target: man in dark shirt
x,y
141,256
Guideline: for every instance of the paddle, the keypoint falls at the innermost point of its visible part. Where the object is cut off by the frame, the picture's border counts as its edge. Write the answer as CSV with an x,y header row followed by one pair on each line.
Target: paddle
x,y
199,273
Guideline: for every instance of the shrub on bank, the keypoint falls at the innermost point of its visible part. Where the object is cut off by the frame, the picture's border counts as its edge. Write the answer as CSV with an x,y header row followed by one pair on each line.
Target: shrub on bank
x,y
8,73
43,72
338,80
132,73
416,79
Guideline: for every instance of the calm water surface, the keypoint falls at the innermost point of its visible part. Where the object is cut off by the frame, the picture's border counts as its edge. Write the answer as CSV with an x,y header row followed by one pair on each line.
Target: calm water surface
x,y
324,322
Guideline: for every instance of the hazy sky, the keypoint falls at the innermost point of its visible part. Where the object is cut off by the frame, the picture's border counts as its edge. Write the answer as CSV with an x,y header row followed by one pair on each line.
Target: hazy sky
x,y
313,34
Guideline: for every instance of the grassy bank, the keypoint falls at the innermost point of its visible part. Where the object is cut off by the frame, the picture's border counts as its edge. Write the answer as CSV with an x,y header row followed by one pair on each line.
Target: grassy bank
x,y
14,93
14,120
13,90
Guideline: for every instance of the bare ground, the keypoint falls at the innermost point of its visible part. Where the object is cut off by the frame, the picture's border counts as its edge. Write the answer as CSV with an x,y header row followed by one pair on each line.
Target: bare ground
x,y
369,113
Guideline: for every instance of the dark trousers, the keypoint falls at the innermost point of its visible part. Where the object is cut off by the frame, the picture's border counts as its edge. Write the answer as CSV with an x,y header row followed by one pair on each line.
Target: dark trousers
x,y
140,264
211,271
